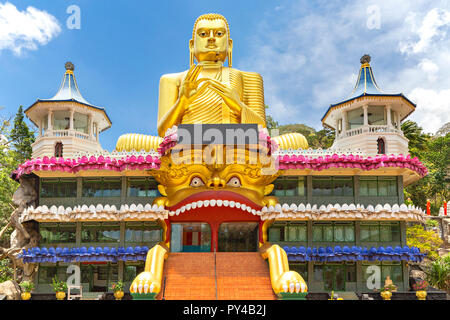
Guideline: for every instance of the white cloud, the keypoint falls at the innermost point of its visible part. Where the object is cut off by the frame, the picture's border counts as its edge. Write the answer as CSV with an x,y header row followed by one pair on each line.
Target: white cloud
x,y
309,56
27,29
433,108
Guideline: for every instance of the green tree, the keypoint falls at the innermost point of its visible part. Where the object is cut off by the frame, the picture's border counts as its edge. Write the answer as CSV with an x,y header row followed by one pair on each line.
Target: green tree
x,y
417,139
427,241
6,272
21,137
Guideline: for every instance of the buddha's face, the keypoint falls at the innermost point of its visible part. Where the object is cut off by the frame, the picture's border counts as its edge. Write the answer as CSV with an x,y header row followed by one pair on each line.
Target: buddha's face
x,y
211,40
184,183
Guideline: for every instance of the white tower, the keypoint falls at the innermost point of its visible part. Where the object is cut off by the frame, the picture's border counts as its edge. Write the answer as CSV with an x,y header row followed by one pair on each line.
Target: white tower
x,y
67,122
370,119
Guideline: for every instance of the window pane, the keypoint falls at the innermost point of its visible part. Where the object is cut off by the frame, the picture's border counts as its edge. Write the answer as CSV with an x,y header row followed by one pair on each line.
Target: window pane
x,y
395,231
392,188
338,233
279,188
292,233
385,233
349,233
365,233
393,271
374,235
363,188
318,273
274,234
372,188
100,233
57,233
301,187
291,187
321,186
112,188
351,273
317,233
301,233
327,233
343,186
382,187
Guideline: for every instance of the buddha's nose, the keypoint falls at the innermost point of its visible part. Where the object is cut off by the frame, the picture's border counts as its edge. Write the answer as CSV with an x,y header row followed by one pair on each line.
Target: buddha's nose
x,y
216,182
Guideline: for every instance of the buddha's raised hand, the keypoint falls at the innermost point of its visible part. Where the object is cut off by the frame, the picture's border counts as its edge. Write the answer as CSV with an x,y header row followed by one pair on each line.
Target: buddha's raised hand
x,y
189,85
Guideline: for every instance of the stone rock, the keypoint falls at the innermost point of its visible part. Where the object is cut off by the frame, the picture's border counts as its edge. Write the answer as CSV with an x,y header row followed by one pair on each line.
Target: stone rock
x,y
10,289
417,274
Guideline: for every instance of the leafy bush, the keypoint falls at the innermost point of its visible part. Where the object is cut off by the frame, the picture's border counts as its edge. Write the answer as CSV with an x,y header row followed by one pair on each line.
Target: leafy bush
x,y
27,286
438,273
58,285
432,223
6,272
420,285
117,286
427,241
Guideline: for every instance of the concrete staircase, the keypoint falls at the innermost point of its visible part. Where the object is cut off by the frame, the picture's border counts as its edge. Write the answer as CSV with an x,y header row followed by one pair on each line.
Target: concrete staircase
x,y
226,276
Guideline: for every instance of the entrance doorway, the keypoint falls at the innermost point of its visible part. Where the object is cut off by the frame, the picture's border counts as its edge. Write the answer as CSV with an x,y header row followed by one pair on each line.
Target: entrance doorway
x,y
238,237
190,237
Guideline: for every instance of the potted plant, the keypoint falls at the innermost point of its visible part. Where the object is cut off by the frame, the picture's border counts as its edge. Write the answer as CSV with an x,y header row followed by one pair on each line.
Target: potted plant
x,y
117,287
27,287
386,292
59,287
421,289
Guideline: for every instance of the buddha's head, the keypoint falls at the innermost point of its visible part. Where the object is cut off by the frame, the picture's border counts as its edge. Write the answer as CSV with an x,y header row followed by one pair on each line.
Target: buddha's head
x,y
211,39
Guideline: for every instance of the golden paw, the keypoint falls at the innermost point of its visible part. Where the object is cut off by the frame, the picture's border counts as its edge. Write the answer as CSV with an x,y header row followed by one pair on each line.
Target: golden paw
x,y
269,201
160,201
291,282
145,282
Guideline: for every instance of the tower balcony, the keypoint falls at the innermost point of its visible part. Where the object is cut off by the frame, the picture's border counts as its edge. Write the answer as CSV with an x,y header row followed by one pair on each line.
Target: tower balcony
x,y
369,129
69,133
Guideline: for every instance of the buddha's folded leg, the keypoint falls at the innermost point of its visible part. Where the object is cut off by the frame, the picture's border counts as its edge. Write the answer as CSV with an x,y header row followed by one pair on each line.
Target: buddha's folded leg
x,y
138,142
292,141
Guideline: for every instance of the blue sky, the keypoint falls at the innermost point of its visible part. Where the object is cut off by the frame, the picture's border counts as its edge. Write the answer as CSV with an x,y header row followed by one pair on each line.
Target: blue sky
x,y
307,52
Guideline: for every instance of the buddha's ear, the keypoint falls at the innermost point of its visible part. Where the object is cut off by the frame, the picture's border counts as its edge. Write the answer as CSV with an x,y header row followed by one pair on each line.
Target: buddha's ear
x,y
191,52
162,190
268,189
230,53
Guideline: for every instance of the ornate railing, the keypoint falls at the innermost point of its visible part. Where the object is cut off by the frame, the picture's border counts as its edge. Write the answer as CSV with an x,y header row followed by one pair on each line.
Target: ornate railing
x,y
69,133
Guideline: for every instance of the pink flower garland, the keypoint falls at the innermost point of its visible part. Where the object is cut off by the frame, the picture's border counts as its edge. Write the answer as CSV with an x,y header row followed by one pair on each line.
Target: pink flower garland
x,y
351,161
83,163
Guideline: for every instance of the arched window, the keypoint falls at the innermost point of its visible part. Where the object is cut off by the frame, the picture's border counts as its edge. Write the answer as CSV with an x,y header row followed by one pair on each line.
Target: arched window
x,y
381,146
58,149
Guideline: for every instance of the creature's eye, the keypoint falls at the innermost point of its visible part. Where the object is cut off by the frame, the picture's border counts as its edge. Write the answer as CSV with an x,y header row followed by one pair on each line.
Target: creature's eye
x,y
234,182
197,182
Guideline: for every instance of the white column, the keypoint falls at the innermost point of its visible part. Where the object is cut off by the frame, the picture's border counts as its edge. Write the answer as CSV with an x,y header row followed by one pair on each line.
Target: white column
x,y
337,128
71,120
399,127
90,125
344,122
49,120
388,116
96,131
40,128
366,116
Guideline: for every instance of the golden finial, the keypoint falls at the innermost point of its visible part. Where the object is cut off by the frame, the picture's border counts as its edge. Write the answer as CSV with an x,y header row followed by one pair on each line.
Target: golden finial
x,y
365,60
69,67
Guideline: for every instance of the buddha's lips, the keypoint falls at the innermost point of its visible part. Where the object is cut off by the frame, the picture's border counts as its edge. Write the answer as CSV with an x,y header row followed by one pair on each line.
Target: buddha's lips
x,y
215,198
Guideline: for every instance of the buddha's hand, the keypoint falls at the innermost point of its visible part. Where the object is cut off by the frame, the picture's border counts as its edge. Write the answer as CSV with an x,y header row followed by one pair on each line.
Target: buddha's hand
x,y
189,86
291,281
229,95
145,282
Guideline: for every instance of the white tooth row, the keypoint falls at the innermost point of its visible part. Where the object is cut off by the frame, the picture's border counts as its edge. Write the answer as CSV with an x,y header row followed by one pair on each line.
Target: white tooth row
x,y
214,203
352,211
98,212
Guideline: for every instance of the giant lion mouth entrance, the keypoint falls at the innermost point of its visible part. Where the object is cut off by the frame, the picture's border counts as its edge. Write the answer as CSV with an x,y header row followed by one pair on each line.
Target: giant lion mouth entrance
x,y
209,221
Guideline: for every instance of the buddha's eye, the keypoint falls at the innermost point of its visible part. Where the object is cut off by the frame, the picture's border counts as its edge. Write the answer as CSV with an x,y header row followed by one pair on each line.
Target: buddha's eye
x,y
196,182
219,33
234,182
202,34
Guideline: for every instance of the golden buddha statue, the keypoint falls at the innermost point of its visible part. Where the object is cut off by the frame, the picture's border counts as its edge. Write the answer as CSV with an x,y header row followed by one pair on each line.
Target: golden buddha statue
x,y
209,92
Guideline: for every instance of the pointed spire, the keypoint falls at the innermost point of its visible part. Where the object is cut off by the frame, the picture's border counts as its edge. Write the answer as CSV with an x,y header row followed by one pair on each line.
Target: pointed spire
x,y
69,88
366,83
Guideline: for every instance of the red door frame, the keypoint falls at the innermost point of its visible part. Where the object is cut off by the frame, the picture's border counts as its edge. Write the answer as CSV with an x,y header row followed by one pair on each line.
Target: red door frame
x,y
214,216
